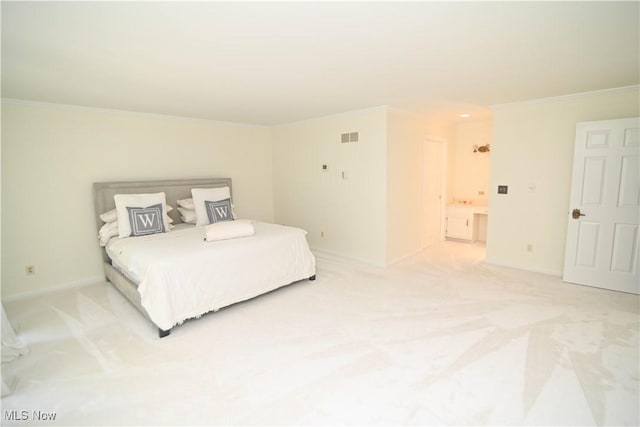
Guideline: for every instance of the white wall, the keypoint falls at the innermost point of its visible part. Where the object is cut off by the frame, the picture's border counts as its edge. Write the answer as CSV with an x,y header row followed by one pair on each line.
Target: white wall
x,y
1,200
404,184
533,144
351,212
374,214
472,170
52,154
405,135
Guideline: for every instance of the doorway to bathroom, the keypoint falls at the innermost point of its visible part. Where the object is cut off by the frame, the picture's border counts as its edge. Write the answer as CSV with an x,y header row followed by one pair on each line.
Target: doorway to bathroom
x,y
467,209
455,185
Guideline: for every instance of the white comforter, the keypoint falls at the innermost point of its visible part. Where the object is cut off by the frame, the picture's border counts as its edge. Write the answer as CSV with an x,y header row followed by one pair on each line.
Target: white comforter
x,y
181,276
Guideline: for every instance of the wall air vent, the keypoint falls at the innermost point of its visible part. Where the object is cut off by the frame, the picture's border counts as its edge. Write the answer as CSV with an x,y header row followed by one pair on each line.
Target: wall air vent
x,y
349,137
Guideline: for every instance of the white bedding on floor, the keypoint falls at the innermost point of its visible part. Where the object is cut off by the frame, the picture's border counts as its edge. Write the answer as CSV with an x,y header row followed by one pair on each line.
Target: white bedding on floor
x,y
180,276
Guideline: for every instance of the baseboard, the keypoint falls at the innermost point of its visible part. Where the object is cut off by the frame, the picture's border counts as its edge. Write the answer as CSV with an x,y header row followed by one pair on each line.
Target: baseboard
x,y
53,289
341,257
361,261
525,268
403,257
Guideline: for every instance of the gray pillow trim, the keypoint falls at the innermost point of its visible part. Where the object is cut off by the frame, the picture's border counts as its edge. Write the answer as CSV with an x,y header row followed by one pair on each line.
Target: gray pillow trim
x,y
219,211
145,221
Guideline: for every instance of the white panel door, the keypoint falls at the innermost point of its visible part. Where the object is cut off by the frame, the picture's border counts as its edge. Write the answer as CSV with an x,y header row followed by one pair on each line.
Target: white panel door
x,y
602,232
432,189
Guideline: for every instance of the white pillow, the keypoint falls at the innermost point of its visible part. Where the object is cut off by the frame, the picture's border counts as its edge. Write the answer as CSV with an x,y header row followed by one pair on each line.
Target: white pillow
x,y
107,231
212,194
112,215
186,203
140,201
187,215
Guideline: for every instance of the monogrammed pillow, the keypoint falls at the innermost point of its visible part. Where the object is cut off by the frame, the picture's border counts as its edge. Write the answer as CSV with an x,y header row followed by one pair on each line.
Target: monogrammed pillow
x,y
146,220
138,201
219,211
212,194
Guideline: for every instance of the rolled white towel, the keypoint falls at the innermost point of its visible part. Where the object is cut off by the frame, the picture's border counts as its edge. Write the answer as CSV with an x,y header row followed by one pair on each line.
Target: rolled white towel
x,y
228,230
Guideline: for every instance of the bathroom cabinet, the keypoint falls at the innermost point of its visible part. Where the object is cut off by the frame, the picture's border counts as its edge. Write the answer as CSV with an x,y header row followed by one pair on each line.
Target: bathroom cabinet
x,y
462,221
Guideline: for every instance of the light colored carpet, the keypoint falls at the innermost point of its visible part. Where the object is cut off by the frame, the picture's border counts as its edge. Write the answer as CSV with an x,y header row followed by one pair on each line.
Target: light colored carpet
x,y
439,339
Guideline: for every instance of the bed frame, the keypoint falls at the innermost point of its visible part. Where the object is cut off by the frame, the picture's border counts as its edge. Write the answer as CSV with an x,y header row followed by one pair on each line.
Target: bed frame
x,y
103,193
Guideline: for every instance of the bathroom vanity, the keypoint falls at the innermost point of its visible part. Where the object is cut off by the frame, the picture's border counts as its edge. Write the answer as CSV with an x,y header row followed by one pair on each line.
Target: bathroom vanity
x,y
466,222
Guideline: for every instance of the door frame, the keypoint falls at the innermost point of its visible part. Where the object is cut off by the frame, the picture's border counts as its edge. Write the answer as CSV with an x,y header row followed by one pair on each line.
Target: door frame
x,y
443,187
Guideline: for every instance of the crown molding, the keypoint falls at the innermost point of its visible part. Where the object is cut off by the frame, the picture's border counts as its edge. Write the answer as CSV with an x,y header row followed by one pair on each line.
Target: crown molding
x,y
569,97
113,111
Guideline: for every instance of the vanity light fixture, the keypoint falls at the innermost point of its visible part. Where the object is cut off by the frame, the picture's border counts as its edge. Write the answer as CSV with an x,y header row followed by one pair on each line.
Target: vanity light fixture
x,y
481,148
465,116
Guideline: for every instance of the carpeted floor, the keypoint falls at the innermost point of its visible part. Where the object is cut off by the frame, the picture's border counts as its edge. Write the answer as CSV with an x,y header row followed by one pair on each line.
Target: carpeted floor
x,y
439,339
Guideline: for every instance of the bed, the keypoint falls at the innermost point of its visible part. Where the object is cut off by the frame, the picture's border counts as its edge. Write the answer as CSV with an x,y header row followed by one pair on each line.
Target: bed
x,y
174,276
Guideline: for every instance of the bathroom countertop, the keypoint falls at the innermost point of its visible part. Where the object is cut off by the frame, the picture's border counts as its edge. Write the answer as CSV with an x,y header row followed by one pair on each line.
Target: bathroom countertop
x,y
476,209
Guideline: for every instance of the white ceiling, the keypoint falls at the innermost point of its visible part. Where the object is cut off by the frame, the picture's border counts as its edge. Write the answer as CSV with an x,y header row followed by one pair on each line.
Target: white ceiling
x,y
271,63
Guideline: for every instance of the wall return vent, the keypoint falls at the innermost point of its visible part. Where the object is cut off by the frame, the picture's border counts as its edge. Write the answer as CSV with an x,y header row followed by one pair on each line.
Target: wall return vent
x,y
349,137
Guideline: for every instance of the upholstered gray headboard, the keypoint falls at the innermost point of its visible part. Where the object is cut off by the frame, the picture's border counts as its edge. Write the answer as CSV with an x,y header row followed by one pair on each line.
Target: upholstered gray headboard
x,y
103,193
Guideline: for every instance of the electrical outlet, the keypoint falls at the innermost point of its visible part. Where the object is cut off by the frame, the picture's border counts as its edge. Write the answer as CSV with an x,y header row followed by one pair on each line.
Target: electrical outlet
x,y
529,247
322,234
30,270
